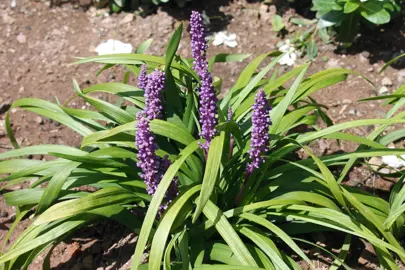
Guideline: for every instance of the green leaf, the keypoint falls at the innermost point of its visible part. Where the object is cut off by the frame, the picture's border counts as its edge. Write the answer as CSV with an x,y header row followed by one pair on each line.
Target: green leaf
x,y
42,149
391,62
111,111
126,91
349,28
330,19
278,112
351,6
329,178
225,267
162,232
253,83
302,21
312,49
211,173
222,253
47,109
277,231
47,237
277,23
173,45
134,59
16,165
172,91
171,131
143,47
214,214
226,58
243,79
325,5
157,200
338,127
374,12
268,89
98,199
54,186
266,245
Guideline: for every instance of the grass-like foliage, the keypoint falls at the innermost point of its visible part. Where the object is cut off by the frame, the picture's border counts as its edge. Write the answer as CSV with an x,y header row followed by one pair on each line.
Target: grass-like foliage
x,y
222,217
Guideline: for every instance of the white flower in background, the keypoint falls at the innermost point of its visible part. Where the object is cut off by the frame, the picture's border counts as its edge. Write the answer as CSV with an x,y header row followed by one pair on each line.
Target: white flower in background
x,y
225,38
394,161
290,55
112,46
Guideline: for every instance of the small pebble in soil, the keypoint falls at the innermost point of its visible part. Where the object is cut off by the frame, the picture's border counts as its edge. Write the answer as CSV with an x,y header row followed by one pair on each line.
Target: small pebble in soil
x,y
383,90
39,120
366,54
21,38
386,81
3,213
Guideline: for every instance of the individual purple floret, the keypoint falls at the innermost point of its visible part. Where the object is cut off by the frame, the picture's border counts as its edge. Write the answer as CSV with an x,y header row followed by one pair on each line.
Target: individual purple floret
x,y
142,78
153,94
259,144
230,113
208,98
147,160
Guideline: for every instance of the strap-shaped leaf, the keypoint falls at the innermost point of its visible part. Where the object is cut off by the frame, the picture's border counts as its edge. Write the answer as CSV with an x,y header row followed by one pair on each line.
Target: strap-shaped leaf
x,y
45,238
98,199
224,228
278,112
277,231
157,200
266,245
162,232
211,173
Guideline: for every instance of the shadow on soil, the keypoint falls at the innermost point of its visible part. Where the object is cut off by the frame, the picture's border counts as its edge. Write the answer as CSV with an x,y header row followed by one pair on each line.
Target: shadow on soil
x,y
105,244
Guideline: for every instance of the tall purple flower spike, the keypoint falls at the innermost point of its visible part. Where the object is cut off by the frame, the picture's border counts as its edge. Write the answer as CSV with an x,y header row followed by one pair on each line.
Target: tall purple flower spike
x,y
198,42
208,98
142,78
147,160
153,94
259,144
153,167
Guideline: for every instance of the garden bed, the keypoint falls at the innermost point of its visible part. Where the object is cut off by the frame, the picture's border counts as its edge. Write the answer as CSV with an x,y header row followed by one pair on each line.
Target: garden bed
x,y
38,42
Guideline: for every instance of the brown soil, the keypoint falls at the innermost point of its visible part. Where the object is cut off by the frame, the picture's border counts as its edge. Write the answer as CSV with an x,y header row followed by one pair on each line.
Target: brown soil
x,y
36,43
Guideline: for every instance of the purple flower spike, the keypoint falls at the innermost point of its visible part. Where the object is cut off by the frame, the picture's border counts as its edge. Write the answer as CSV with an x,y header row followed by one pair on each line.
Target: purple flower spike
x,y
259,144
153,94
208,110
142,78
208,98
198,42
147,160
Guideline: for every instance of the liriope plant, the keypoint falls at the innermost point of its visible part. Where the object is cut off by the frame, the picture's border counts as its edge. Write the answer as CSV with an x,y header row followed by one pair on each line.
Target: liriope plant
x,y
207,183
